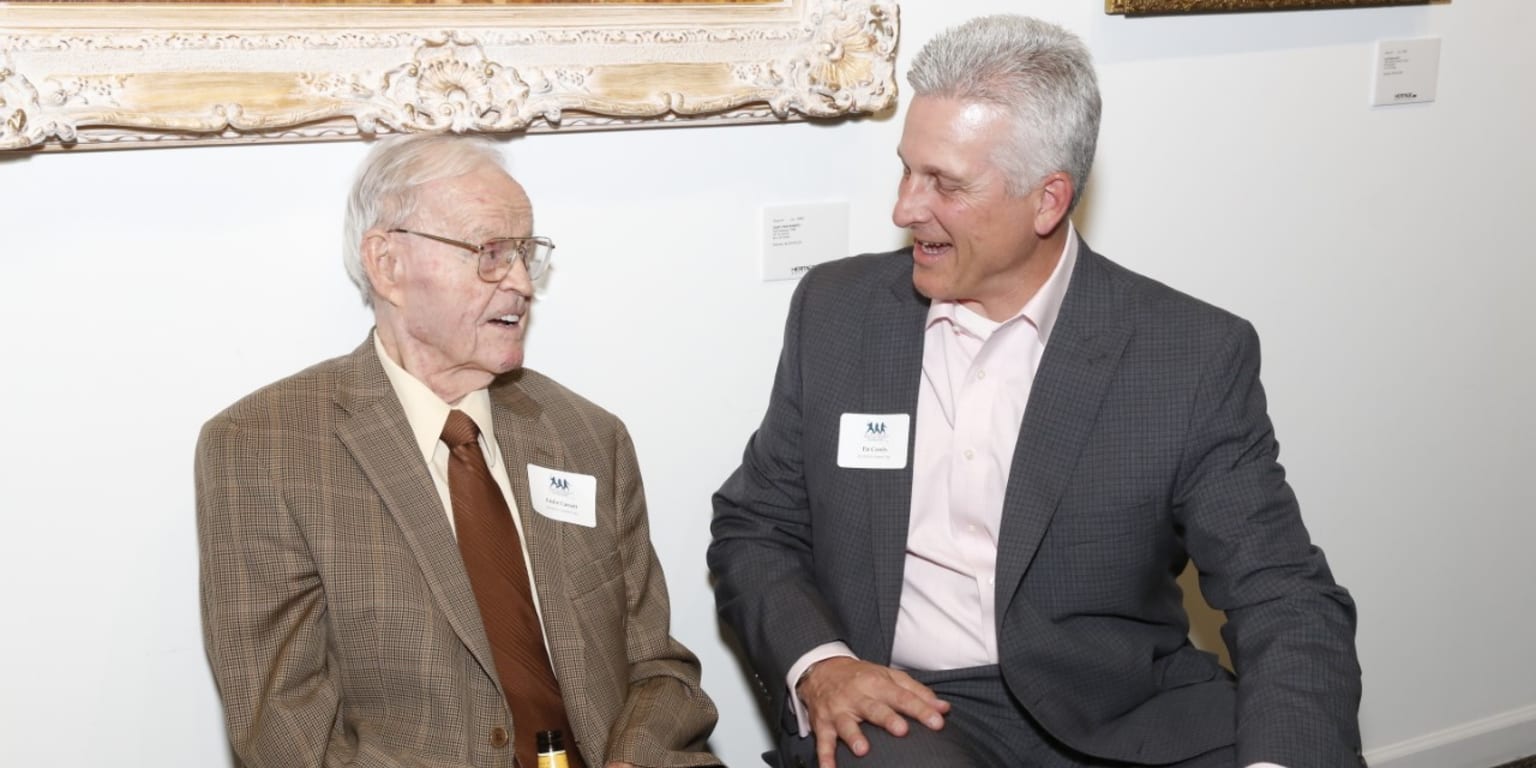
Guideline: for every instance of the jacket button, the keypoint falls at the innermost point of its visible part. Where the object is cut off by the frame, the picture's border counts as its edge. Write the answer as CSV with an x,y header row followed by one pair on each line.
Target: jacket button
x,y
498,737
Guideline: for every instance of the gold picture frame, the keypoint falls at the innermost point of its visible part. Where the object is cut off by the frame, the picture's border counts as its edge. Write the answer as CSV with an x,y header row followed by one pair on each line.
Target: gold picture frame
x,y
1155,7
98,73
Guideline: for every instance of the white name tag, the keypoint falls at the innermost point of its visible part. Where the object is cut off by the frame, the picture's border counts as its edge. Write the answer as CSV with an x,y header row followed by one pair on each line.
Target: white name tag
x,y
566,497
873,440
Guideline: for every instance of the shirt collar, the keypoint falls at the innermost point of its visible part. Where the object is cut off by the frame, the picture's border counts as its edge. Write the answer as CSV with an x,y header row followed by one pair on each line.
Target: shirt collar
x,y
426,412
1041,310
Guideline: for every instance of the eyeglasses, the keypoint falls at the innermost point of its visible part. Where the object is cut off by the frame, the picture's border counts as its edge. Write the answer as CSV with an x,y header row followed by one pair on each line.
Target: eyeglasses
x,y
497,256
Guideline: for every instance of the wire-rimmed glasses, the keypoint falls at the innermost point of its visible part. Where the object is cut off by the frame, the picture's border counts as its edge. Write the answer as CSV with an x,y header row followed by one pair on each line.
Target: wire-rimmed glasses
x,y
497,256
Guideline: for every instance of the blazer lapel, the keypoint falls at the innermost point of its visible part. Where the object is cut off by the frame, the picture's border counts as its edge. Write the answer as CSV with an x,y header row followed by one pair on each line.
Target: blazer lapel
x,y
1078,365
379,438
893,348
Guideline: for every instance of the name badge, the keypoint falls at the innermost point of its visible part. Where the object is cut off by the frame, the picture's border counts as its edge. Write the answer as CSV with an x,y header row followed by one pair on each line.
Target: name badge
x,y
565,497
873,440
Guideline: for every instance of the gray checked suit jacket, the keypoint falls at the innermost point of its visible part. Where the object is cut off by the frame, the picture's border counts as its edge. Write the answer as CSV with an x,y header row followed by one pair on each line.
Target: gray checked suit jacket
x,y
338,617
1145,443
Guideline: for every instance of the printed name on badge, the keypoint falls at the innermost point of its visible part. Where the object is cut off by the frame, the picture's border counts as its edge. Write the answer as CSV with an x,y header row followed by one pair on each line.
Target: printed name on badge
x,y
873,440
566,497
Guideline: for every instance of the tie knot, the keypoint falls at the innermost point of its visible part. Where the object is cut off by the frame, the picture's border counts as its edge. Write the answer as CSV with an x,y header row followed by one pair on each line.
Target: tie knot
x,y
460,430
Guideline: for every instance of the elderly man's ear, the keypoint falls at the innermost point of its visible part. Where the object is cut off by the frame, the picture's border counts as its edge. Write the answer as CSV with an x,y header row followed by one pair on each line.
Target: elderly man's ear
x,y
1055,200
382,266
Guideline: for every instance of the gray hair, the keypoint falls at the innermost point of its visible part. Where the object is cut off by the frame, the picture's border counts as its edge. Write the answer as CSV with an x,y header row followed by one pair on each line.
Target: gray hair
x,y
1039,74
384,192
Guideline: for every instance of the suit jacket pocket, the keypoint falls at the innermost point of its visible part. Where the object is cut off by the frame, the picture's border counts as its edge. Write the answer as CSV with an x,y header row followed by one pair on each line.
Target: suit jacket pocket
x,y
584,578
601,610
1104,521
1100,557
1187,666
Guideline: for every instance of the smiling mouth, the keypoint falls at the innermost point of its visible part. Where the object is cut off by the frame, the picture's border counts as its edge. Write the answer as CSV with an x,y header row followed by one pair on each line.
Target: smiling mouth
x,y
507,320
930,247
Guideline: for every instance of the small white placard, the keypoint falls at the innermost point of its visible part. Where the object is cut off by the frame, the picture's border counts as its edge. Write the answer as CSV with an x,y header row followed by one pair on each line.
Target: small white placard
x,y
566,497
798,237
1406,71
873,440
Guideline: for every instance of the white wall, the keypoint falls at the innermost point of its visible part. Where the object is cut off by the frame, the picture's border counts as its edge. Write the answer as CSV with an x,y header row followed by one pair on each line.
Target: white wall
x,y
1383,254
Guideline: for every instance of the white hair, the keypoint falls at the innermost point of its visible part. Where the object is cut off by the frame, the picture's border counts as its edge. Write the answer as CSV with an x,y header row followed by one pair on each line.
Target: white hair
x,y
384,192
1039,74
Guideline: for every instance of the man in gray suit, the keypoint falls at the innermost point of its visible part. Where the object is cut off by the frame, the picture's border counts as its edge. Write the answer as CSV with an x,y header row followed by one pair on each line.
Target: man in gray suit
x,y
421,553
986,458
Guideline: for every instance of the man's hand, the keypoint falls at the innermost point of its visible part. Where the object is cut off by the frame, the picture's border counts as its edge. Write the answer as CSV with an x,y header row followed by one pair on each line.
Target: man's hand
x,y
841,692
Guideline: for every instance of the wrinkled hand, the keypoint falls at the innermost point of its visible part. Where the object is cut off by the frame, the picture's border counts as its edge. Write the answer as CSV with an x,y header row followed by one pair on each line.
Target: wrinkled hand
x,y
841,692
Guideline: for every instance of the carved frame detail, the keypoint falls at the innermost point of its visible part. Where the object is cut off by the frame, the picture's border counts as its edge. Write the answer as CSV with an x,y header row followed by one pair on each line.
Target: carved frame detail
x,y
90,75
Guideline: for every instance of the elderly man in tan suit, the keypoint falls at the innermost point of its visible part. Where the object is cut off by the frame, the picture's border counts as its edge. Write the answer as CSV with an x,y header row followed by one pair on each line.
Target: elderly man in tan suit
x,y
347,610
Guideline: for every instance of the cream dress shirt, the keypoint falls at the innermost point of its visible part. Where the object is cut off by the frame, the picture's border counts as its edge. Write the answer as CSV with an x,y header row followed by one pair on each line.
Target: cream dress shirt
x,y
427,413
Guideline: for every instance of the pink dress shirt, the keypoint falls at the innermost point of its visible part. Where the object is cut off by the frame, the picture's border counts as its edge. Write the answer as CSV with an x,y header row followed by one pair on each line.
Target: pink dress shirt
x,y
977,376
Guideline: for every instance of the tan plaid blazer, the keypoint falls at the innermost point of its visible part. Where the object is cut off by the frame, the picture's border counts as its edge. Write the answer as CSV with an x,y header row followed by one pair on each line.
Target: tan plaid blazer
x,y
338,618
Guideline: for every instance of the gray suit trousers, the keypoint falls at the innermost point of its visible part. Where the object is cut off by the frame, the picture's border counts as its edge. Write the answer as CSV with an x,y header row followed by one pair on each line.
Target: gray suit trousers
x,y
986,728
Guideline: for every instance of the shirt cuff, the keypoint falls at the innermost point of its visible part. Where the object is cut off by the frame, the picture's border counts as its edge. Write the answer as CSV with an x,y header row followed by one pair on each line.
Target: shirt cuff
x,y
1264,765
819,653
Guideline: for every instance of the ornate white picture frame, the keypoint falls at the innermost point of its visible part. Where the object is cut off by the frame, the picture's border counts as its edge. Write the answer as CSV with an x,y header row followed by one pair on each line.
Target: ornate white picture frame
x,y
93,74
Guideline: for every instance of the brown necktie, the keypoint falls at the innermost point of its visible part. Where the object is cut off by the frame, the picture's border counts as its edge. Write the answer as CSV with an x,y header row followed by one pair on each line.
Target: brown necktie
x,y
493,557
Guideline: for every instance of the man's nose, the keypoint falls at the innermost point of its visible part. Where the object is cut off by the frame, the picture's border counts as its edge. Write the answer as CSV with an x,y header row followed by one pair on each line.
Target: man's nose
x,y
517,279
910,208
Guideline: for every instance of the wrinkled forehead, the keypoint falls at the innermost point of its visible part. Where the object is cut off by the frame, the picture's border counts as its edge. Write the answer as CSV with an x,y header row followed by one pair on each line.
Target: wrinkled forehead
x,y
483,203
